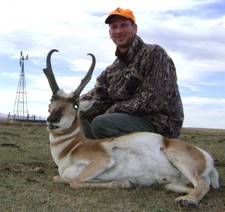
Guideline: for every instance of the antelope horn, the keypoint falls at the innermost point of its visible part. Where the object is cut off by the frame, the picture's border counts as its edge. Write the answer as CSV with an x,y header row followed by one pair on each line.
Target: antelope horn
x,y
49,73
86,79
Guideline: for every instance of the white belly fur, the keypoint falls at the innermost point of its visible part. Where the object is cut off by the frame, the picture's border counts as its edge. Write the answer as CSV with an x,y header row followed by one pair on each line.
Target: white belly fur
x,y
140,159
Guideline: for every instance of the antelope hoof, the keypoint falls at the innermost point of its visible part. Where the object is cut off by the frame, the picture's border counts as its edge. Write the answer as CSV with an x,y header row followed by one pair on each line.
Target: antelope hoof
x,y
121,184
58,179
186,201
75,184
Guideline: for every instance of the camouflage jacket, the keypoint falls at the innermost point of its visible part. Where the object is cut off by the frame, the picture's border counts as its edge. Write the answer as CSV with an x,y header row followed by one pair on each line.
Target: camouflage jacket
x,y
143,83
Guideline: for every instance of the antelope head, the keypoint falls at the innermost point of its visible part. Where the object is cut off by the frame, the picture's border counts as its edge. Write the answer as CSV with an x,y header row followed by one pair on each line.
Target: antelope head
x,y
63,108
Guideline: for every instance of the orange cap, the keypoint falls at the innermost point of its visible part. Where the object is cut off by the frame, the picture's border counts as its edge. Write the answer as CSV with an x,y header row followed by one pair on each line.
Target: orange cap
x,y
121,12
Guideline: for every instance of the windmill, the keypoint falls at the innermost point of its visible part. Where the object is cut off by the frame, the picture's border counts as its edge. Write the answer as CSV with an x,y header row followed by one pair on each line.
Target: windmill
x,y
20,109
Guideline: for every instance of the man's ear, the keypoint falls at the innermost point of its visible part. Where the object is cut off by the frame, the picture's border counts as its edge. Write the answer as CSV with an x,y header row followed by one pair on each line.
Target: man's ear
x,y
85,105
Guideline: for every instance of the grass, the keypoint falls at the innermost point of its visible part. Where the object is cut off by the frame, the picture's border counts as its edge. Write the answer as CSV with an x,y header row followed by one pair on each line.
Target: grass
x,y
26,171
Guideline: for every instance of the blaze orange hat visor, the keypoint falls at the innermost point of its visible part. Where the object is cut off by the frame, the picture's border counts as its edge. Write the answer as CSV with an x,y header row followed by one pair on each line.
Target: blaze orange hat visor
x,y
121,12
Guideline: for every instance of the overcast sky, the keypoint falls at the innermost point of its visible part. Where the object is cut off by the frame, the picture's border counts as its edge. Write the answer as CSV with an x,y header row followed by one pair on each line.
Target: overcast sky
x,y
191,31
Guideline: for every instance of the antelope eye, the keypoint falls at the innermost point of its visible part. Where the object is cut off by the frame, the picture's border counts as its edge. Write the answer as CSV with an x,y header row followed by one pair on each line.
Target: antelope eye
x,y
75,106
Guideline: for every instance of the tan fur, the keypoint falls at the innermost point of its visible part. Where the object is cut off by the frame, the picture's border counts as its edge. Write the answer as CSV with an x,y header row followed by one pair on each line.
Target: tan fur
x,y
61,141
191,162
67,149
187,152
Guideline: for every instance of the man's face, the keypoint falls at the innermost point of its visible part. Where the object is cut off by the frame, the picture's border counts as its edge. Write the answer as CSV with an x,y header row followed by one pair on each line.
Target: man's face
x,y
122,32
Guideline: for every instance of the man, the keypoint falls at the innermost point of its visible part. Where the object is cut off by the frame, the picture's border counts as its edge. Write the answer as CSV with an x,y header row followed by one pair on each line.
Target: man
x,y
138,92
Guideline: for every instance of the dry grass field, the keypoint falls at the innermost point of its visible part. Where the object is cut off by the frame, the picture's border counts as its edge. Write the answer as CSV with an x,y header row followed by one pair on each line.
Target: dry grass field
x,y
26,171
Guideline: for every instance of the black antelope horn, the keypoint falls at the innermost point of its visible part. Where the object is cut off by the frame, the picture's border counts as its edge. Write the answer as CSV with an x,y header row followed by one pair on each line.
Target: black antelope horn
x,y
86,79
49,73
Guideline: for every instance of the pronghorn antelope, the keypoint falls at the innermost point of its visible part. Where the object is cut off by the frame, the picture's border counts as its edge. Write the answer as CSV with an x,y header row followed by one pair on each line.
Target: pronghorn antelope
x,y
136,159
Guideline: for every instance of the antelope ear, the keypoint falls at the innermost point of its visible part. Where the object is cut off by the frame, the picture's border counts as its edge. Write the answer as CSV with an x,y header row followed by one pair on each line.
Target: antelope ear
x,y
85,105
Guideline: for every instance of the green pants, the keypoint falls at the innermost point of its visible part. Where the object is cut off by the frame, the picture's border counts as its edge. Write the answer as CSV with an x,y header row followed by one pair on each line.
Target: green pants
x,y
115,124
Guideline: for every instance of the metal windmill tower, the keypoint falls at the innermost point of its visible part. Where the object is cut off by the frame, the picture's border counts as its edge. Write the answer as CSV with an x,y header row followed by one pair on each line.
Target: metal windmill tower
x,y
20,110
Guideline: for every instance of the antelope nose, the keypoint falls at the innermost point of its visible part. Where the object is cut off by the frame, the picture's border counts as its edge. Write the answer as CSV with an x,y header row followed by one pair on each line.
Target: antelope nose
x,y
55,116
52,119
